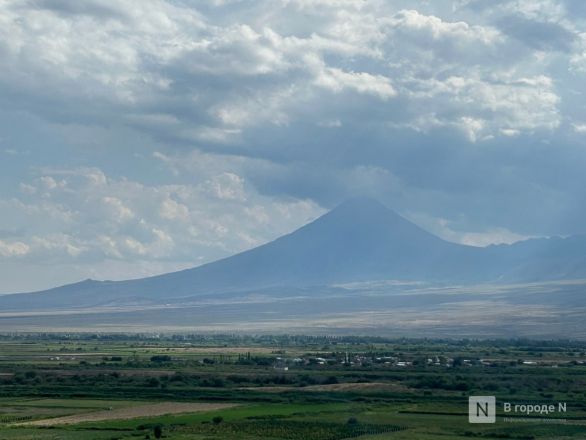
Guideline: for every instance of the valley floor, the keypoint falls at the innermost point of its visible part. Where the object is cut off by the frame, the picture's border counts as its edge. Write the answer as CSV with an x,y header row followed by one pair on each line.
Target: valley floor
x,y
548,310
116,386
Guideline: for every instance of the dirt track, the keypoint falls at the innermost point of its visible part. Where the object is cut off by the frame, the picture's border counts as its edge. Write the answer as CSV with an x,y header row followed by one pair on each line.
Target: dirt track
x,y
371,386
157,409
339,387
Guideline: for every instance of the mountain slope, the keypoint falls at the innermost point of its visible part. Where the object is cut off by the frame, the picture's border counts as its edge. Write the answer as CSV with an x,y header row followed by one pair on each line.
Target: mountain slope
x,y
359,240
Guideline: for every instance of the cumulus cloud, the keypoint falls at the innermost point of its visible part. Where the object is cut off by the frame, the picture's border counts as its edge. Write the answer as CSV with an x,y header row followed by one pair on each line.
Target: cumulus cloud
x,y
429,28
183,76
338,80
14,249
98,218
156,135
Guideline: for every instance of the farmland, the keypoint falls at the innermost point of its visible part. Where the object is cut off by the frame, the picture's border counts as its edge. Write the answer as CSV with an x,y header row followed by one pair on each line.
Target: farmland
x,y
117,386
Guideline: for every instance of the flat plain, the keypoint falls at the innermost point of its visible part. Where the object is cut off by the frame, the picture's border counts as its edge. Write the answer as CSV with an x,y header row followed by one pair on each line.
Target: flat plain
x,y
117,386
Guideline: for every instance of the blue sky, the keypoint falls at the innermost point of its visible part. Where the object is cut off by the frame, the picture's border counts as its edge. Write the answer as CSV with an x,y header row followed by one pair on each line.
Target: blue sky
x,y
140,137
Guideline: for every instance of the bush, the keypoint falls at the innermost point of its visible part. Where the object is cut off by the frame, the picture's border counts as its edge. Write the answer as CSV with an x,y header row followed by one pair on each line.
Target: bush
x,y
217,420
153,382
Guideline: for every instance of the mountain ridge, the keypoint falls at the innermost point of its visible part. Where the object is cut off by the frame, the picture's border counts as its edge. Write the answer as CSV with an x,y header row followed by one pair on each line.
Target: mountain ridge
x,y
359,240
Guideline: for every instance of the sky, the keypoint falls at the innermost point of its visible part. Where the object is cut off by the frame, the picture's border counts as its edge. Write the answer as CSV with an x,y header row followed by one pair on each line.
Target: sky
x,y
146,136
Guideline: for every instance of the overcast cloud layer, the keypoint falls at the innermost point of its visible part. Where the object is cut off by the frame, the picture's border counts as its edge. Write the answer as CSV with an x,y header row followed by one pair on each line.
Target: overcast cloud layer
x,y
139,137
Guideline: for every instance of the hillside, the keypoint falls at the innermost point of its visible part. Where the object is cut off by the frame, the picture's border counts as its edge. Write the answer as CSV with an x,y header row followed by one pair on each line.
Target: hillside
x,y
360,240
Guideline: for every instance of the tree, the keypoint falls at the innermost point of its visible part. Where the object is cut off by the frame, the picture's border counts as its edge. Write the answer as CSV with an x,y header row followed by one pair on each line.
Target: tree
x,y
158,431
217,420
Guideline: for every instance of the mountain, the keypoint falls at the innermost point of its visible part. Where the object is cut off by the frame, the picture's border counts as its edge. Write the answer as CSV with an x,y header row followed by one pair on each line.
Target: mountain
x,y
360,240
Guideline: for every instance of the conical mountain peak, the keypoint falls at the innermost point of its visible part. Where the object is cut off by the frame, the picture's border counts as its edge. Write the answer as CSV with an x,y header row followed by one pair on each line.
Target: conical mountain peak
x,y
359,240
372,222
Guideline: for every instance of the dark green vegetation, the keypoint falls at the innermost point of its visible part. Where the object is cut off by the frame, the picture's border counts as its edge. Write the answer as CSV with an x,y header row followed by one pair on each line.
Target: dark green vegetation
x,y
284,387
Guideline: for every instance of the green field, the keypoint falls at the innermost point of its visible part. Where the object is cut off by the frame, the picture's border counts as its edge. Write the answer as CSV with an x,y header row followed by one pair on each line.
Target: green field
x,y
283,387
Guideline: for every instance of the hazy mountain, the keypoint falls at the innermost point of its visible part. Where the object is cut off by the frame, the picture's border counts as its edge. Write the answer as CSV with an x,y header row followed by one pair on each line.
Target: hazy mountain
x,y
359,240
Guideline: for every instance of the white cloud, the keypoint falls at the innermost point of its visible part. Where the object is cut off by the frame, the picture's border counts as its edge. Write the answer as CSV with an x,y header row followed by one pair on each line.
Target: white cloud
x,y
429,28
116,209
337,80
492,105
227,117
91,218
173,71
492,236
472,127
227,186
27,189
14,249
56,245
541,9
444,228
49,182
578,58
172,210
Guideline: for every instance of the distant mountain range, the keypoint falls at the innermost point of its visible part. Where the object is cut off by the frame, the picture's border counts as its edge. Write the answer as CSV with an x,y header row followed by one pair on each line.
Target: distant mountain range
x,y
360,240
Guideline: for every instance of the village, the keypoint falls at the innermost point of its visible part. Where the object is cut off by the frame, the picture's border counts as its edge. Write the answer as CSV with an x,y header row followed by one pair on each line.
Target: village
x,y
346,359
